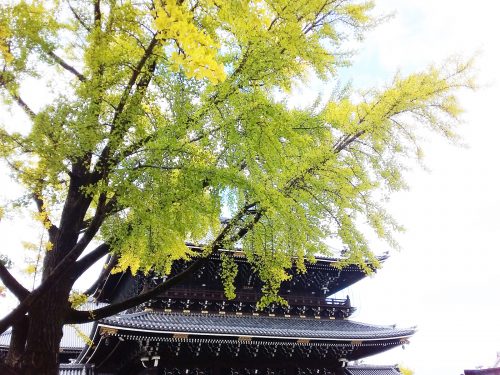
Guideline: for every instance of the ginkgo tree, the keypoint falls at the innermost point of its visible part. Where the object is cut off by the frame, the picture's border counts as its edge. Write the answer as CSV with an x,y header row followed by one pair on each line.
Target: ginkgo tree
x,y
166,114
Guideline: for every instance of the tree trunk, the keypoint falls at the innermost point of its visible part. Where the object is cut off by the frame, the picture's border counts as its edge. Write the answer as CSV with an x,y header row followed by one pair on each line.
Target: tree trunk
x,y
34,348
17,343
46,320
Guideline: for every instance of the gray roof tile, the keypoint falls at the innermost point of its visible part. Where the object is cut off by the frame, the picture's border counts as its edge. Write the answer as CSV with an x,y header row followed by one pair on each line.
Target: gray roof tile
x,y
73,335
76,369
72,340
255,326
372,370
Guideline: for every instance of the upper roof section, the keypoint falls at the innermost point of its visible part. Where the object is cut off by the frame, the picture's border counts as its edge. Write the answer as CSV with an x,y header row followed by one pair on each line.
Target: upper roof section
x,y
322,279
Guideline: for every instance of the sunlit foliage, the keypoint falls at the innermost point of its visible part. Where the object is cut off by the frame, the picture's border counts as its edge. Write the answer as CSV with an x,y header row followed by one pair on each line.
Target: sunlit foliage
x,y
405,371
169,112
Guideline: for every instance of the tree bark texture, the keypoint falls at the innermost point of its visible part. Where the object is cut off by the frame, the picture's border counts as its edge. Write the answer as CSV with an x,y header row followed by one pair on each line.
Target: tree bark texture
x,y
43,328
35,342
17,343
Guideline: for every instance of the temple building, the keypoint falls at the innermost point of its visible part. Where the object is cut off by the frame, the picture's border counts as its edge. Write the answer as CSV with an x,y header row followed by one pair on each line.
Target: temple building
x,y
193,329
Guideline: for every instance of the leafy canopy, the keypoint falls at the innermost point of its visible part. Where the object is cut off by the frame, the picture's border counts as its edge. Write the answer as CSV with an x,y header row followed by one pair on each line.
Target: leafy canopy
x,y
172,109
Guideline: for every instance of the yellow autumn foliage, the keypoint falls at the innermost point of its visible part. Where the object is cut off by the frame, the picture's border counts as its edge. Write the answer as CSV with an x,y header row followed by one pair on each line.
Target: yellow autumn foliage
x,y
168,115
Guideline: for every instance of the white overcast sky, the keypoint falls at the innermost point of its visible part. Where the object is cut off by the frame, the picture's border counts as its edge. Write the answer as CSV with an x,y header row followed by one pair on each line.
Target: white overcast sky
x,y
446,279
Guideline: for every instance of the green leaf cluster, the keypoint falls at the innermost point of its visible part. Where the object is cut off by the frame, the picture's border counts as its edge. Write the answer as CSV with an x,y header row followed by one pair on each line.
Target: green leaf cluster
x,y
169,114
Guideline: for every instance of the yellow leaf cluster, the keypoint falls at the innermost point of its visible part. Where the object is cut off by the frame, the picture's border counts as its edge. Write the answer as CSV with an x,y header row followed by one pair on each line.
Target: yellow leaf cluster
x,y
405,370
42,217
77,299
145,118
195,51
228,275
127,261
29,245
4,43
30,269
85,338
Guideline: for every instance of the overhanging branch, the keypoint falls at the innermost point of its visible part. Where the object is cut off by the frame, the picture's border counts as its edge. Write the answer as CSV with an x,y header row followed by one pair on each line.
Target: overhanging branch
x,y
76,316
85,316
61,270
88,260
12,284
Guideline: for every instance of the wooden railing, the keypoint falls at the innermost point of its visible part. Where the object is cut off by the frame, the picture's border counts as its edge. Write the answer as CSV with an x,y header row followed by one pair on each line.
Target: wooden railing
x,y
196,294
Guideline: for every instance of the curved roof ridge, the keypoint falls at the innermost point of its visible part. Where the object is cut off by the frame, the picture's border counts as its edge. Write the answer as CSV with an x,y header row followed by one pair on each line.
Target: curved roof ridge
x,y
254,326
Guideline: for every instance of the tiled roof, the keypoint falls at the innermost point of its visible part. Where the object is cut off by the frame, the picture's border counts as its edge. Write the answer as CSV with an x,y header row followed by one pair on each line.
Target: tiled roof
x,y
372,370
74,335
5,338
76,369
255,326
72,340
486,371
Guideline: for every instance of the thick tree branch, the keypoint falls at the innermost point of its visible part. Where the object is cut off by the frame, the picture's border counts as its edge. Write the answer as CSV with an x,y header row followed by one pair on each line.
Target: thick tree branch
x,y
60,270
133,79
18,341
117,128
218,243
88,260
12,284
97,14
76,316
103,208
245,229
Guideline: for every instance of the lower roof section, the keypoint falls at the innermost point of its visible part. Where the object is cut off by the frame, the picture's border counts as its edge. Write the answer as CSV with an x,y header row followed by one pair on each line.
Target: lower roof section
x,y
372,370
182,340
267,327
73,339
76,369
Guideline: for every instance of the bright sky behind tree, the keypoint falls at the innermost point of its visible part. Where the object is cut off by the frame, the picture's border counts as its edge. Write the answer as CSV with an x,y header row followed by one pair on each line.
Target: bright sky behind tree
x,y
446,279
